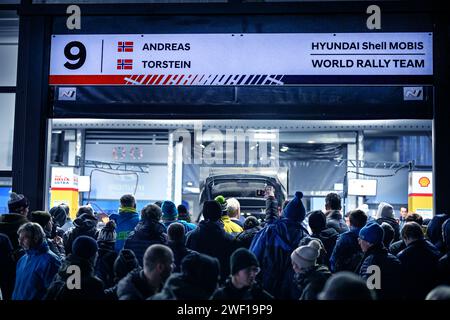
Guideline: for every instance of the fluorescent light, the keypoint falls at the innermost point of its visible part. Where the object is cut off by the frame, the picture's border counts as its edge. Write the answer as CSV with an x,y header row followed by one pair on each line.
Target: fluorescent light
x,y
265,135
284,148
311,141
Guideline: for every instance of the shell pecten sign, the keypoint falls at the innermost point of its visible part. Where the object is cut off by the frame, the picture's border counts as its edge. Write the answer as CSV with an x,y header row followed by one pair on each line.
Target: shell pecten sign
x,y
420,193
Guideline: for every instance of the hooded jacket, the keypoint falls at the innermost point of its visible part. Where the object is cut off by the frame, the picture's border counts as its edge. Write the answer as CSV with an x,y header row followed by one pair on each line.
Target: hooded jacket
x,y
385,213
146,233
273,246
126,220
328,237
84,225
35,272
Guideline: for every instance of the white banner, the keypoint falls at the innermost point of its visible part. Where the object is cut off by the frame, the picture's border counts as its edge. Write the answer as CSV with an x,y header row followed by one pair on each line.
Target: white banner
x,y
64,178
235,59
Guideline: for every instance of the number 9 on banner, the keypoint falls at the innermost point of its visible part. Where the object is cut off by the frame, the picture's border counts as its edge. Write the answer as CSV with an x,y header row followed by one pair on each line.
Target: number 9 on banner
x,y
75,60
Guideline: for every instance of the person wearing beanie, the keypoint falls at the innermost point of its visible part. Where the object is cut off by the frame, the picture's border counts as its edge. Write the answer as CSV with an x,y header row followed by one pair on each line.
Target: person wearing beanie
x,y
197,280
333,213
84,255
176,234
36,269
125,262
347,253
18,203
390,279
420,262
170,215
385,213
147,232
84,225
44,219
273,246
242,284
169,212
210,238
106,254
183,212
126,220
317,222
310,276
388,234
59,215
346,285
251,228
11,222
228,225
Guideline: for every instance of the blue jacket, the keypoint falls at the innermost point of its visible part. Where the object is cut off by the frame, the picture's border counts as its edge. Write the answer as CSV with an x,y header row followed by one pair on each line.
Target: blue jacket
x,y
347,253
126,221
35,272
273,246
146,233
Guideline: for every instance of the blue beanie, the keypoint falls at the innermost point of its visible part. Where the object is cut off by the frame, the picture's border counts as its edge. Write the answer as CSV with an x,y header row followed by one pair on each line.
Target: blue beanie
x,y
372,233
169,210
295,209
84,247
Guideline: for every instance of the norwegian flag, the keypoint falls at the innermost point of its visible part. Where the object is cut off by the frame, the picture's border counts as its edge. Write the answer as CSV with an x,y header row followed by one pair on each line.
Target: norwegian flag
x,y
125,46
124,64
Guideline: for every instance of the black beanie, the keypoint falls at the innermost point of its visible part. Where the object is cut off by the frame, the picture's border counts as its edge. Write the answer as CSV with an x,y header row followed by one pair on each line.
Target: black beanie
x,y
85,247
212,210
41,217
242,258
59,215
201,270
125,262
317,221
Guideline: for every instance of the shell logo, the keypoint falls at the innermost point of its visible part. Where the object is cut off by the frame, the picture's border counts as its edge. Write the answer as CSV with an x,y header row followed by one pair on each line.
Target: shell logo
x,y
424,182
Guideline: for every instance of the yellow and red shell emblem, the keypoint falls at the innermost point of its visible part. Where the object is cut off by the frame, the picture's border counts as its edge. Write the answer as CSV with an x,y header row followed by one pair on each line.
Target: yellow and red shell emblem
x,y
424,182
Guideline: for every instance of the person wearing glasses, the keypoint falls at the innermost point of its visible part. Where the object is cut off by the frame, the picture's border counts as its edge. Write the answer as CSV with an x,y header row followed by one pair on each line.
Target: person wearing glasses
x,y
242,284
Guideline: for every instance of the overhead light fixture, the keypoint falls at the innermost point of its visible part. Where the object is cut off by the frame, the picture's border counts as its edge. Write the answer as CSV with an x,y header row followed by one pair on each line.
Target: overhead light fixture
x,y
284,148
311,141
265,136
